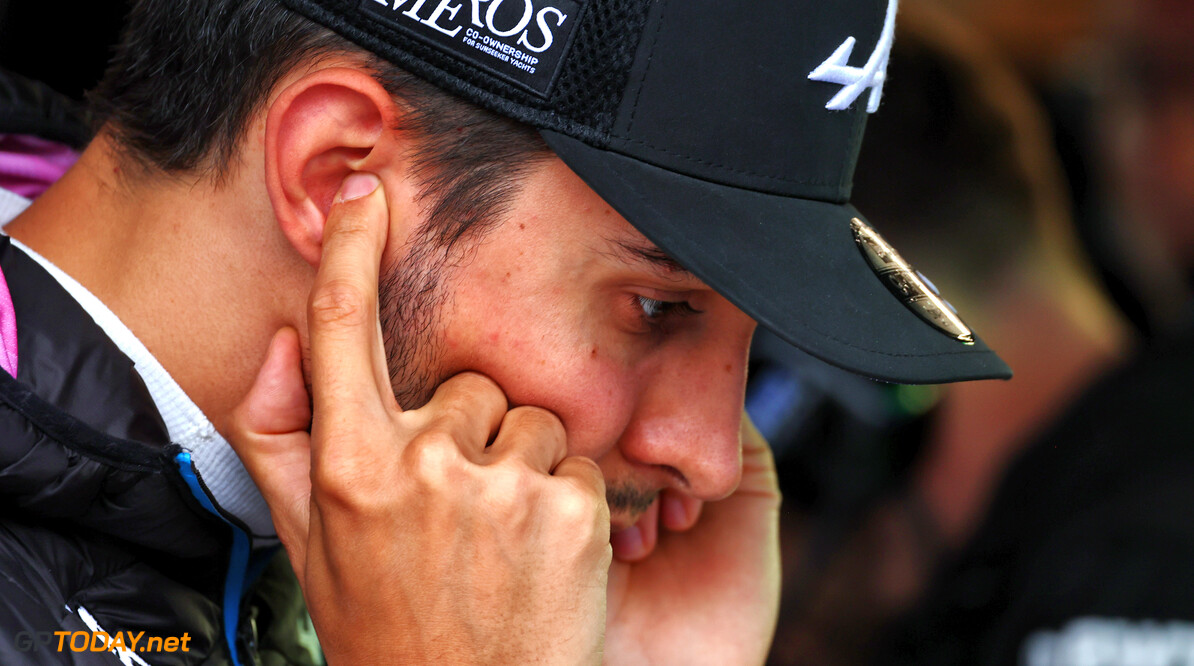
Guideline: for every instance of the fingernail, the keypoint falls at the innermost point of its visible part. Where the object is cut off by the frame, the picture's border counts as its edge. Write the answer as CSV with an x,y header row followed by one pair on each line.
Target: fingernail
x,y
628,543
357,185
675,514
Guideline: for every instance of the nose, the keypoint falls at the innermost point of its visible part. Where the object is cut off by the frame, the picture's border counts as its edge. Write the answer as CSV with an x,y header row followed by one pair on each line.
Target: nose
x,y
689,416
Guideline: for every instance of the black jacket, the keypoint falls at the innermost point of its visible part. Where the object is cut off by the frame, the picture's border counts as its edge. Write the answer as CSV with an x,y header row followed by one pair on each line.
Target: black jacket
x,y
105,523
1086,554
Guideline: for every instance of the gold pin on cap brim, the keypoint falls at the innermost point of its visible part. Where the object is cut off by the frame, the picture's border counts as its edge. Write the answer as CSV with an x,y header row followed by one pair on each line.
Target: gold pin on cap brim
x,y
907,285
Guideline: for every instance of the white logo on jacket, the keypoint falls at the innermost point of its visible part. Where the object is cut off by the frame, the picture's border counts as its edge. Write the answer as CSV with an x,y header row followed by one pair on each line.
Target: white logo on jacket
x,y
1098,641
127,657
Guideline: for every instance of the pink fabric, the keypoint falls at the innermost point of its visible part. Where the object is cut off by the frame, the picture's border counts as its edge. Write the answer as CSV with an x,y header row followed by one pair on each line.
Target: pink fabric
x,y
8,329
28,164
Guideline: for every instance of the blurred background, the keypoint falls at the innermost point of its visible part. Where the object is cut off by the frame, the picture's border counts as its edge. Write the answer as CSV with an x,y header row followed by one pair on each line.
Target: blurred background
x,y
1035,158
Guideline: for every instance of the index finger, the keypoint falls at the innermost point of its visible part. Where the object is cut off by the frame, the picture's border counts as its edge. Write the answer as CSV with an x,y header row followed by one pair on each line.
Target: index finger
x,y
348,365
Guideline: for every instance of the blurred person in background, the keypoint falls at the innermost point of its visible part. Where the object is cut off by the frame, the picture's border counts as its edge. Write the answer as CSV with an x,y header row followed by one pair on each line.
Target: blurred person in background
x,y
1147,118
884,482
1111,74
1083,557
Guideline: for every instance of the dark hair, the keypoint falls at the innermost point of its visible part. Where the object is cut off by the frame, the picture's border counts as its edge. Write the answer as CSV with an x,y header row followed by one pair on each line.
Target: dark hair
x,y
187,78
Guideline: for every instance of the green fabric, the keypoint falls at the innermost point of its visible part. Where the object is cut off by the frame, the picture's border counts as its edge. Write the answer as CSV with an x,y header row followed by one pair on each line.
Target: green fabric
x,y
286,635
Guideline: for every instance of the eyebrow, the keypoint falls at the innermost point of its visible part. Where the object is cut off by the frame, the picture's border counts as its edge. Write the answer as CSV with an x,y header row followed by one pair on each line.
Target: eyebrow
x,y
652,257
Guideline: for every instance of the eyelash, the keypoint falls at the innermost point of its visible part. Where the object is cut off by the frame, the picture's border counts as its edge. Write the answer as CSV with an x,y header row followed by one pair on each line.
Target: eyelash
x,y
655,311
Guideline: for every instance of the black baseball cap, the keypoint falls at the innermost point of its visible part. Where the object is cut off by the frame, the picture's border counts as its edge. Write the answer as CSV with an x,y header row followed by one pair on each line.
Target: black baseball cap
x,y
726,131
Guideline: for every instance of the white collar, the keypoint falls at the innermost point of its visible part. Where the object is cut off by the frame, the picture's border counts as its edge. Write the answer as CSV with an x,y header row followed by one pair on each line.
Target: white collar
x,y
225,477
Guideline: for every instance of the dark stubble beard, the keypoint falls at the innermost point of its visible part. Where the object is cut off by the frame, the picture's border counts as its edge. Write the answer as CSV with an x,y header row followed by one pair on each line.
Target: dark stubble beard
x,y
411,297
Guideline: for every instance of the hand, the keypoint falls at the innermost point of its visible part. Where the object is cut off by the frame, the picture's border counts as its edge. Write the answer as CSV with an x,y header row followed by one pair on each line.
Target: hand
x,y
414,542
708,595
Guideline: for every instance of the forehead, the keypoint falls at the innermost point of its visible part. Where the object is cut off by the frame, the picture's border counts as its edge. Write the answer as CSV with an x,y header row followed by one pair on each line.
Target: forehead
x,y
556,191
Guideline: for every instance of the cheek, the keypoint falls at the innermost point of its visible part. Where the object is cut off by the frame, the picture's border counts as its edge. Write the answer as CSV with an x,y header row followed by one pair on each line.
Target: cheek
x,y
561,371
591,394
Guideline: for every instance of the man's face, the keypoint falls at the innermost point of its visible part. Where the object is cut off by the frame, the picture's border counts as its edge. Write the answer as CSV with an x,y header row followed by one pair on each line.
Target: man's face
x,y
569,308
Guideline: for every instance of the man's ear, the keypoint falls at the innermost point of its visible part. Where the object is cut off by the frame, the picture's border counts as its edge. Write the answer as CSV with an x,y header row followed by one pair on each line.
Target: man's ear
x,y
320,129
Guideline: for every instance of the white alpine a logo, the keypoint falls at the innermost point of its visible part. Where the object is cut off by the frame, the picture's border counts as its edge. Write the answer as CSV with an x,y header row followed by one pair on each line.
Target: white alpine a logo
x,y
855,80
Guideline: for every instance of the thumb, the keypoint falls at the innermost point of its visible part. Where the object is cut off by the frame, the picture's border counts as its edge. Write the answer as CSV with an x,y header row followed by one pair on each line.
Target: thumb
x,y
269,433
277,403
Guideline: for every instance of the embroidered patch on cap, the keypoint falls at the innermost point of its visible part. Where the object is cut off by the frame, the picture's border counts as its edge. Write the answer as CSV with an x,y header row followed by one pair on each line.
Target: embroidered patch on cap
x,y
519,41
909,285
857,80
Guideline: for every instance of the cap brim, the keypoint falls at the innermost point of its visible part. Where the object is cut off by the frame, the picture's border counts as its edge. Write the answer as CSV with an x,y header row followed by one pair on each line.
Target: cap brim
x,y
805,279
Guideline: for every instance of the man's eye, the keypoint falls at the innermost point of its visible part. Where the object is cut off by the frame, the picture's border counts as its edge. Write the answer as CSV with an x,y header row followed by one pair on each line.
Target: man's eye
x,y
656,310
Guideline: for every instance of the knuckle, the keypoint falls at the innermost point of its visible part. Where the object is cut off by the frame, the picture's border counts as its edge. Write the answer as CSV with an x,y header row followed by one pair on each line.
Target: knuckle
x,y
506,487
468,388
433,457
347,482
589,468
574,508
350,226
339,302
451,413
583,516
578,505
479,383
410,422
544,423
586,475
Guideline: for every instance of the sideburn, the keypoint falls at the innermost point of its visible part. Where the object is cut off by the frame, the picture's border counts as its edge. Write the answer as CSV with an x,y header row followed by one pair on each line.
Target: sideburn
x,y
411,296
